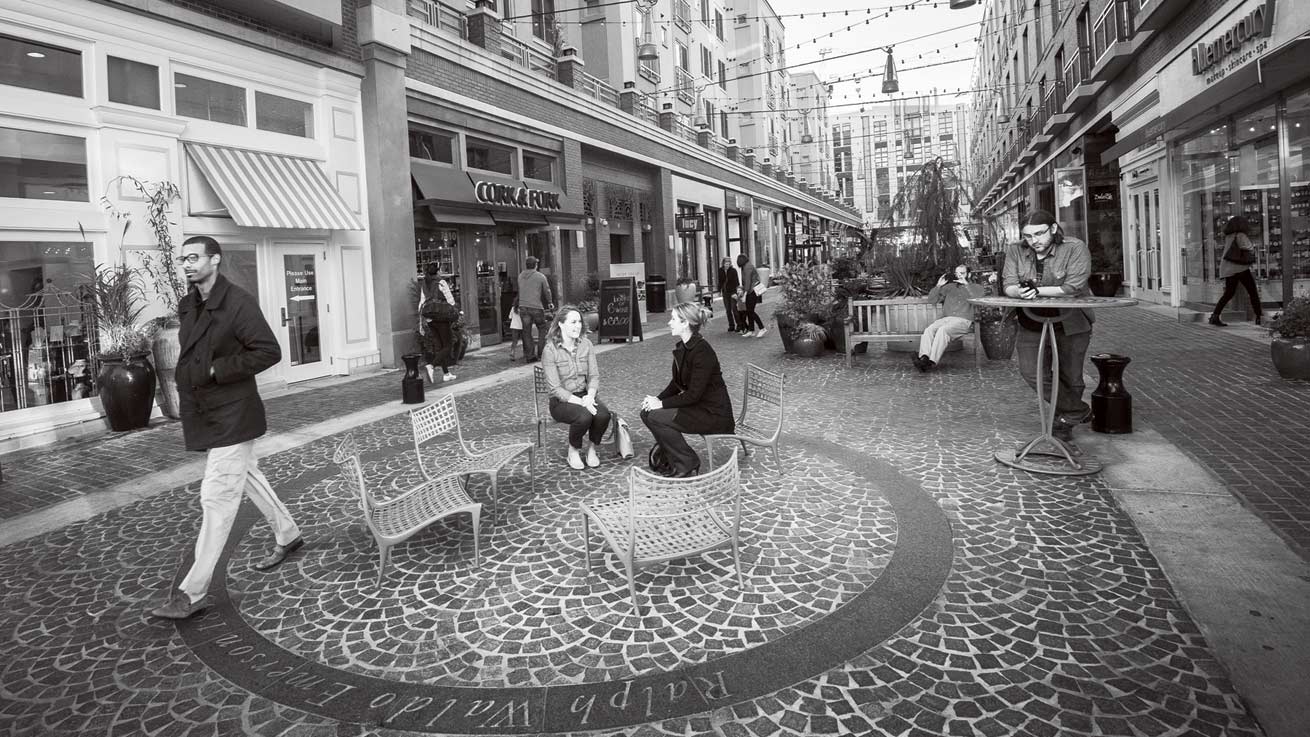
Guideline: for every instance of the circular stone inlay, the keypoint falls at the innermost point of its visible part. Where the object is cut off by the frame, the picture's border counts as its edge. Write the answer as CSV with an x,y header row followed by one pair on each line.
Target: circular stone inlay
x,y
839,552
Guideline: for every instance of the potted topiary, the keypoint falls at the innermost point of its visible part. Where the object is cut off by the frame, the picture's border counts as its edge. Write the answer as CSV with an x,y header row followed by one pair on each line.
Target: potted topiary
x,y
1290,348
126,377
589,305
808,339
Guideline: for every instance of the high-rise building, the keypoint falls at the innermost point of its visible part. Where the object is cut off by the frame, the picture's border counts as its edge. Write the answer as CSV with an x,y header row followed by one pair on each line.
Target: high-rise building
x,y
807,126
878,149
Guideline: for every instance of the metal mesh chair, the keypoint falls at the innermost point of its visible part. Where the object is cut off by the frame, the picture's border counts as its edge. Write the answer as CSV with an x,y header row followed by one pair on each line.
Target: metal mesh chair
x,y
541,402
439,418
760,422
393,521
664,519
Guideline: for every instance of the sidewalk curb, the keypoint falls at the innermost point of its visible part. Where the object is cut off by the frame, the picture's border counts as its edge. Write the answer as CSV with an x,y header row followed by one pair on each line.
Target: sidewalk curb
x,y
1246,589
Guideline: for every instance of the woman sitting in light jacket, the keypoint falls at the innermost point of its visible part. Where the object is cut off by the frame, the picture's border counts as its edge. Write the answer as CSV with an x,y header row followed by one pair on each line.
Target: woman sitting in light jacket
x,y
569,360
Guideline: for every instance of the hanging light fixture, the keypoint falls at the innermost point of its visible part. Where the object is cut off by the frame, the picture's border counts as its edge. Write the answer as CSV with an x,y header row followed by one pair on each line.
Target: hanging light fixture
x,y
962,4
647,51
889,83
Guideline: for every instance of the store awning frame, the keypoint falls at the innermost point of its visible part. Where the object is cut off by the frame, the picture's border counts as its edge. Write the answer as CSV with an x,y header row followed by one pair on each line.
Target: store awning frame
x,y
264,190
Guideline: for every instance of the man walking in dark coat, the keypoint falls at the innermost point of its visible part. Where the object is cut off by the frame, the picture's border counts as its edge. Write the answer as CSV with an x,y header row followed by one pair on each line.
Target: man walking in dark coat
x,y
225,341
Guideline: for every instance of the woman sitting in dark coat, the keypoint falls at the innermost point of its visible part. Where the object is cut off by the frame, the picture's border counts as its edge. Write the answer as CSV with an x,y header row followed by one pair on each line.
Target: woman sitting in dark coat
x,y
696,400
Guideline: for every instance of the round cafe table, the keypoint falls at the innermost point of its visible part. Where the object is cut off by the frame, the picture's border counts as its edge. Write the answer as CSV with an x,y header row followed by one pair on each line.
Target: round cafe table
x,y
1047,453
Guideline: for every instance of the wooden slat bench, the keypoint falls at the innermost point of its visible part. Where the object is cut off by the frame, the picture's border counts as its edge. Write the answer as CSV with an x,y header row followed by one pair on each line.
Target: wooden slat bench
x,y
895,319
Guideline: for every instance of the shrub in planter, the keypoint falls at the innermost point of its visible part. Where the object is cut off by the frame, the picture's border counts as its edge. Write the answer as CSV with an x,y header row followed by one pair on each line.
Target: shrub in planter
x,y
808,339
998,329
126,378
1290,348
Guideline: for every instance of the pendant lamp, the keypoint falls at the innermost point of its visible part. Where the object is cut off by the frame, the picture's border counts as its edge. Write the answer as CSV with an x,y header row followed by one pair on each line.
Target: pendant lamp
x,y
889,83
962,4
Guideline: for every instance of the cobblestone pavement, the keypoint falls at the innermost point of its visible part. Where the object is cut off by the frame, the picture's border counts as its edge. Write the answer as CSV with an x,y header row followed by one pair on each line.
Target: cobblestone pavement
x,y
898,581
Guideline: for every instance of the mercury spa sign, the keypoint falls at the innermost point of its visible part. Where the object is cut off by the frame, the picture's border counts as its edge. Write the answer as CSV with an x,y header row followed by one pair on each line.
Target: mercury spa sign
x,y
1255,24
504,194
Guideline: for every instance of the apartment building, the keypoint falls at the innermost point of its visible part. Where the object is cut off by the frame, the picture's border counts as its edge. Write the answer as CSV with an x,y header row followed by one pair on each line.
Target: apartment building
x,y
253,110
878,149
807,128
1144,126
763,87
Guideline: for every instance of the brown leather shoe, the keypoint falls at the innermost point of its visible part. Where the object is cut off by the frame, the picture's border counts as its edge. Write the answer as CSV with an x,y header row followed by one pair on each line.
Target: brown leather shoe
x,y
278,554
180,606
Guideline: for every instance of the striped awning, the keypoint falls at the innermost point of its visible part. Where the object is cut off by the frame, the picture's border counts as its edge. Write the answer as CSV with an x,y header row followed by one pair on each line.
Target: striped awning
x,y
273,191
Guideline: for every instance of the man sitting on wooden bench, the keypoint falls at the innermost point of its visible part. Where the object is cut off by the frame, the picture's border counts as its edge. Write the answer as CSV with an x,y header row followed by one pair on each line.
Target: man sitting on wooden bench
x,y
953,291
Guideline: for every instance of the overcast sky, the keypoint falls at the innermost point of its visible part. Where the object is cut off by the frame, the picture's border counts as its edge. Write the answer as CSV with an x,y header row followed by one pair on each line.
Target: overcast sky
x,y
889,25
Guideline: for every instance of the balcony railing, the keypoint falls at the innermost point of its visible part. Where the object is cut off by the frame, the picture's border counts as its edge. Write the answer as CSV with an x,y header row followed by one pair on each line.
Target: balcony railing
x,y
770,96
599,89
527,56
686,89
438,15
1076,69
645,109
1054,99
684,131
1114,25
682,15
768,50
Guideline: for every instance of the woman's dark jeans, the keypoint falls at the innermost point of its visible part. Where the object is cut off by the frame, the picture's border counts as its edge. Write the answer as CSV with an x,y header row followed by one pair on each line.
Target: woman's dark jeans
x,y
580,421
1230,290
750,320
663,424
441,340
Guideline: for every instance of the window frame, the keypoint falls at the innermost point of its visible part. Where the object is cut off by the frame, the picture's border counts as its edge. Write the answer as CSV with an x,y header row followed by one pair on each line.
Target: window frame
x,y
513,155
42,40
87,163
552,158
455,147
312,119
159,82
247,99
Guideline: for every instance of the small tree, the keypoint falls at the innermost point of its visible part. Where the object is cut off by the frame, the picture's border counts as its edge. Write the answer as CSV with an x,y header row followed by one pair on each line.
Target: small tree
x,y
159,197
930,203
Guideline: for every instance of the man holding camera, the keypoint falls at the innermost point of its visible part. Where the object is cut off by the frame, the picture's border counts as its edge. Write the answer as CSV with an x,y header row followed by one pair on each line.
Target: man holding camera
x,y
1049,264
953,291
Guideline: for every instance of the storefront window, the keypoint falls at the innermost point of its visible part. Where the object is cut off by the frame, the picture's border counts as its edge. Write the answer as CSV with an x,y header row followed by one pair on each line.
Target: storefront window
x,y
42,166
489,156
1201,169
1255,153
133,83
687,248
284,115
712,239
1298,171
539,167
47,335
432,146
38,66
437,245
209,100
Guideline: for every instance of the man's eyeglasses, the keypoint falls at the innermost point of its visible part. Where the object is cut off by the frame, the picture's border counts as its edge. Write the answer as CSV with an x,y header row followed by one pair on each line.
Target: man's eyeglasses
x,y
190,259
1038,234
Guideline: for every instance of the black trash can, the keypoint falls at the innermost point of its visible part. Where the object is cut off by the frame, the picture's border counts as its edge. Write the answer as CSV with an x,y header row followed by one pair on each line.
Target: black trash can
x,y
656,288
1112,405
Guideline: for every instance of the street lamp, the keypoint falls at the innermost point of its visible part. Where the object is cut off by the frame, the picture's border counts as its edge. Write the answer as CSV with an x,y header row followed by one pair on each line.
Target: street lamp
x,y
962,4
889,83
647,51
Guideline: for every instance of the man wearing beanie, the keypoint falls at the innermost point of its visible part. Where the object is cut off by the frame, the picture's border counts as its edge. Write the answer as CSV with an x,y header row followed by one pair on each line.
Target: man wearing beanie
x,y
1058,266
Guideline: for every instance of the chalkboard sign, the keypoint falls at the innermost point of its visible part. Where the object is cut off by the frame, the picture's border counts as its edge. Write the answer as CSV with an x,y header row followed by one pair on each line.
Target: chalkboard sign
x,y
619,315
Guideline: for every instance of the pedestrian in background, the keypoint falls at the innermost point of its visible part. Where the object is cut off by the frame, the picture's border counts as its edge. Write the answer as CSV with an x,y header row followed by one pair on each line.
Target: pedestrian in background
x,y
569,360
534,302
1047,263
952,291
1235,268
225,342
752,290
729,283
696,399
438,310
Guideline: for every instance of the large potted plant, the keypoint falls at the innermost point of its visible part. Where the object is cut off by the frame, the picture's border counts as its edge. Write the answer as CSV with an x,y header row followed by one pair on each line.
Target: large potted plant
x,y
167,284
126,377
1290,348
808,339
807,297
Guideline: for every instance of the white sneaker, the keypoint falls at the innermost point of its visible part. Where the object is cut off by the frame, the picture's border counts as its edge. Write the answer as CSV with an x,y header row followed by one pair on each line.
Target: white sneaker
x,y
448,377
593,460
760,333
575,460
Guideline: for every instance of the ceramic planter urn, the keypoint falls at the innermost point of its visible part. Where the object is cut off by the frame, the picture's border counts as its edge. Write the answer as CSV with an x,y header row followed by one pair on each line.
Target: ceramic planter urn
x,y
166,349
127,390
998,336
807,347
1291,357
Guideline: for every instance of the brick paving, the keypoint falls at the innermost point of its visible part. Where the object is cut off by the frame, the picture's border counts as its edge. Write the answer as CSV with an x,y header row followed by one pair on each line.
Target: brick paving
x,y
1218,397
899,581
39,478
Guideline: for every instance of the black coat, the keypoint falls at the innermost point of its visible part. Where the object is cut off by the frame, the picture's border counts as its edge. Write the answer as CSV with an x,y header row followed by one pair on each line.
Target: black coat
x,y
229,334
728,281
697,390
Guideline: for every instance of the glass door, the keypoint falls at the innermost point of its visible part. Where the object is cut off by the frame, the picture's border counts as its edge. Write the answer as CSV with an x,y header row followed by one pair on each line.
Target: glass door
x,y
1151,277
298,323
